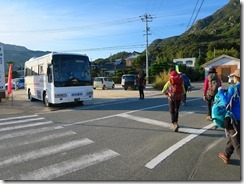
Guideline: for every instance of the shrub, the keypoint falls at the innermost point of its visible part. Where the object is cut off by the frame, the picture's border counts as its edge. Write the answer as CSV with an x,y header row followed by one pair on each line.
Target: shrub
x,y
161,80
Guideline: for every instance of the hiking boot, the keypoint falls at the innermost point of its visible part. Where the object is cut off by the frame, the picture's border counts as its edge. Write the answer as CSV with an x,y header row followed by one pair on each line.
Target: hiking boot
x,y
224,158
176,127
209,118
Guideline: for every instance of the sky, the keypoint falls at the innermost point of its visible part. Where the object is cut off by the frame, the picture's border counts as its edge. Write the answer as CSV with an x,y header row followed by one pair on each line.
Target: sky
x,y
97,28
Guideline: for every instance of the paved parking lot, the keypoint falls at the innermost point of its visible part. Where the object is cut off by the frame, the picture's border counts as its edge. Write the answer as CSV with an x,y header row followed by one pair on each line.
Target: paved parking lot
x,y
18,101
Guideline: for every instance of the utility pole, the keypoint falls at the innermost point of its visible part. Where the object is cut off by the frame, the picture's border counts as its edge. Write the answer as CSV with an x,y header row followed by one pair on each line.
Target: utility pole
x,y
146,18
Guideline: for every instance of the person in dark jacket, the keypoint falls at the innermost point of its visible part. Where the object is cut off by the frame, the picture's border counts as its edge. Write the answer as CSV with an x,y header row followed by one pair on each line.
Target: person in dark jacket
x,y
209,99
187,85
141,85
232,130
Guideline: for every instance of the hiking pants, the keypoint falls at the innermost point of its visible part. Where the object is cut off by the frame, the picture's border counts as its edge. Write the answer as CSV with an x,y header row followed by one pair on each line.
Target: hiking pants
x,y
209,102
233,143
141,91
174,106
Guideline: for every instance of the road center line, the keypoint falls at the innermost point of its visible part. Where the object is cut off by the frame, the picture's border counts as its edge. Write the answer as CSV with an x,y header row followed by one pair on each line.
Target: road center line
x,y
154,162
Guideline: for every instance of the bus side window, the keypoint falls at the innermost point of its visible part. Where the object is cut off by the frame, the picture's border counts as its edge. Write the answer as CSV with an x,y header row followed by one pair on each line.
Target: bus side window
x,y
49,74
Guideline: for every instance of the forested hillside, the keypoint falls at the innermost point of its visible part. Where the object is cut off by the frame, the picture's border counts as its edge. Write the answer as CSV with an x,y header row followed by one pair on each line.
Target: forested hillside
x,y
216,34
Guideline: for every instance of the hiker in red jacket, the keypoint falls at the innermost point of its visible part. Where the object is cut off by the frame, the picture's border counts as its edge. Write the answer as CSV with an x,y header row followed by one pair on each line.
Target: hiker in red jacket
x,y
210,89
174,90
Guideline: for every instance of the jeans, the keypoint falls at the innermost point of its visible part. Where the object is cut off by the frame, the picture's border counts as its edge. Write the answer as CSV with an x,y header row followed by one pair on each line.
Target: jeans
x,y
174,106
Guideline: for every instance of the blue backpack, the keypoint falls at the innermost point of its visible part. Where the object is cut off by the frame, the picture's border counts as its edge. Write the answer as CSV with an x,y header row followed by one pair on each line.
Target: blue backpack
x,y
220,111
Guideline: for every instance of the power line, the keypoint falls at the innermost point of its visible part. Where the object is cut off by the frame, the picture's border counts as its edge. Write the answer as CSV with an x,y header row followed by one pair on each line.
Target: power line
x,y
192,15
197,13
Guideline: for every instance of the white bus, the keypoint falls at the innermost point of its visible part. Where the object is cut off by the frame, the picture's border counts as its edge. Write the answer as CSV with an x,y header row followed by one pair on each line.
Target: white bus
x,y
58,78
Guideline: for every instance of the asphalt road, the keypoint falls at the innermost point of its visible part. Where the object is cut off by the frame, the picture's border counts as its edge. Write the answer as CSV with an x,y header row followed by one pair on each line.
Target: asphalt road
x,y
116,137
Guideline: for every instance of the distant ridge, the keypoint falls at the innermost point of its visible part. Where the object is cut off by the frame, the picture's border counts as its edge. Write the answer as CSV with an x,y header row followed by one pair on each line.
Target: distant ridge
x,y
19,54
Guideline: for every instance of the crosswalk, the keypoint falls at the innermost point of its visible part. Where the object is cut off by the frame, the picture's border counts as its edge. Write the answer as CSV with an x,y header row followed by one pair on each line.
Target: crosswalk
x,y
37,139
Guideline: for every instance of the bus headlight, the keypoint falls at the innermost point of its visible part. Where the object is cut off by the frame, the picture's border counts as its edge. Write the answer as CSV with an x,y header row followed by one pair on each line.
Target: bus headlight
x,y
64,95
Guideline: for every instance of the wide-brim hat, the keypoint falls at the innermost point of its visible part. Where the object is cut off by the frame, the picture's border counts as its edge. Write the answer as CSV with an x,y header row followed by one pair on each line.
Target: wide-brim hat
x,y
237,73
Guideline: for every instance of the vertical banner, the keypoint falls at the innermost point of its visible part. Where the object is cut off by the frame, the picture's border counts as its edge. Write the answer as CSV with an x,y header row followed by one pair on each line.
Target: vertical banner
x,y
10,79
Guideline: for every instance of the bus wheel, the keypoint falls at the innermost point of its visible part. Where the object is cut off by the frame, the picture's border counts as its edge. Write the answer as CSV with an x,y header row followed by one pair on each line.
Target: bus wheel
x,y
29,95
45,100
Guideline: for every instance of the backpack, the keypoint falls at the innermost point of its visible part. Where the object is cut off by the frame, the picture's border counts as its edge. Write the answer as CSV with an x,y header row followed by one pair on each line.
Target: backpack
x,y
213,84
186,80
175,89
220,111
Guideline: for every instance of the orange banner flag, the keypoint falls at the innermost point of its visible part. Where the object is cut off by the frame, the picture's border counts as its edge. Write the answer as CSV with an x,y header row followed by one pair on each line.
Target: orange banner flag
x,y
10,79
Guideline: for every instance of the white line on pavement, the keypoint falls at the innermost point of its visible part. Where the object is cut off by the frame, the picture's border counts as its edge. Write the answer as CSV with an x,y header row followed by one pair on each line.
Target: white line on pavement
x,y
20,121
28,132
19,117
25,126
66,167
114,115
43,152
145,120
154,162
37,140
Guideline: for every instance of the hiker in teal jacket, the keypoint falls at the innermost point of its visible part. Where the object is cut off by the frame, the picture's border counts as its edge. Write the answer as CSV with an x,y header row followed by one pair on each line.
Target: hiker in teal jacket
x,y
234,135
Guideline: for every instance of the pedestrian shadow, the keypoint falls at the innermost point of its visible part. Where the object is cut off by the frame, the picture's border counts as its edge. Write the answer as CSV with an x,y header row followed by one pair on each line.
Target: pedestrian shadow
x,y
235,162
196,131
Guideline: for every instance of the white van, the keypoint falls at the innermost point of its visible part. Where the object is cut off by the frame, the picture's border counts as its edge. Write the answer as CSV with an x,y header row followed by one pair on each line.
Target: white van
x,y
103,82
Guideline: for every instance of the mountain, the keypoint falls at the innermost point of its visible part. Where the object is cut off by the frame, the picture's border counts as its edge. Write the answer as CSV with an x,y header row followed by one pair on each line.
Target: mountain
x,y
19,54
219,33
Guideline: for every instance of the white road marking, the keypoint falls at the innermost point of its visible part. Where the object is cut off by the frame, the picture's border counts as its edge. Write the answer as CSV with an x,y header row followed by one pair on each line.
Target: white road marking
x,y
66,167
119,114
43,152
145,120
20,121
185,113
25,126
28,132
154,162
18,117
41,139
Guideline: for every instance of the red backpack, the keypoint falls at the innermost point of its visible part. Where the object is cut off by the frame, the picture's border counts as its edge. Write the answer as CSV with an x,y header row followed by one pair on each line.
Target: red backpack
x,y
176,89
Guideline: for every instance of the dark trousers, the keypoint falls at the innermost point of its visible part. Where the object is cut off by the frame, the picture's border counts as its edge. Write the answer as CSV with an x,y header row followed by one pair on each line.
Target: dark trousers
x,y
233,143
141,92
174,106
209,102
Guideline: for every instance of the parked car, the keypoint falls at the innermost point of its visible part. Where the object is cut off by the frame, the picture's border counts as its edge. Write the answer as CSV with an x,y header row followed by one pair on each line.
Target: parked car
x,y
17,83
231,78
103,82
20,83
129,81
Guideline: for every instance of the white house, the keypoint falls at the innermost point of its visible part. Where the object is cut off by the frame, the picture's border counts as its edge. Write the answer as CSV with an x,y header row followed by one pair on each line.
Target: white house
x,y
131,58
190,62
224,65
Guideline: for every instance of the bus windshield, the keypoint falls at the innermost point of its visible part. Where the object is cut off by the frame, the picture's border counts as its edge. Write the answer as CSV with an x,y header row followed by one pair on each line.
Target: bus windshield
x,y
71,70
